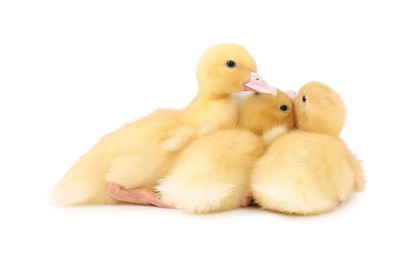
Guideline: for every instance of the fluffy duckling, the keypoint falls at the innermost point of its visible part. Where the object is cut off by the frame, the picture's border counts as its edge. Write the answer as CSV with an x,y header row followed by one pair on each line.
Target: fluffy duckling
x,y
212,173
126,164
310,170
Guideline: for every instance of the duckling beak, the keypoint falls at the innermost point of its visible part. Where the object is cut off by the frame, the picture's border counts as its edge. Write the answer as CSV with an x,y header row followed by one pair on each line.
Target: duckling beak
x,y
292,94
258,84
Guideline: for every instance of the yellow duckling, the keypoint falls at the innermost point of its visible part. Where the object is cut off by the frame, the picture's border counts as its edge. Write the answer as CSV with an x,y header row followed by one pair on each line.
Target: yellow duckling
x,y
212,173
310,170
126,164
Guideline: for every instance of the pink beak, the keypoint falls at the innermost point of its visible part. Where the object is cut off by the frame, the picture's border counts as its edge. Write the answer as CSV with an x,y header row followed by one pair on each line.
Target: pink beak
x,y
292,94
258,84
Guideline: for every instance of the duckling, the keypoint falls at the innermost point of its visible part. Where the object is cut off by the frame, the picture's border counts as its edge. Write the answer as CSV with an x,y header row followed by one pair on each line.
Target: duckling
x,y
212,173
309,170
126,164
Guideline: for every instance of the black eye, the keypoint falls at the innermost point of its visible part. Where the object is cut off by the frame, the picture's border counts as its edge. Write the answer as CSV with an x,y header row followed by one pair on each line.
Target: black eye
x,y
304,99
283,107
231,64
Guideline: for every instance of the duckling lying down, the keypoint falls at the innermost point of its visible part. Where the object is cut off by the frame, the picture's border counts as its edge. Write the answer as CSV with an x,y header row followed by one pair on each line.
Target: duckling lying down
x,y
309,170
212,173
127,164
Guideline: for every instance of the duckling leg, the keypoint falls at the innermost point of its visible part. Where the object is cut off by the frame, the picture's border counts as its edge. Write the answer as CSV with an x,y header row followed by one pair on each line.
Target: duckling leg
x,y
245,201
137,196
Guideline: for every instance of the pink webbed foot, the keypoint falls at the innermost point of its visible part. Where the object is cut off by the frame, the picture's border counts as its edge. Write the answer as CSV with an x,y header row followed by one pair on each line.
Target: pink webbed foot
x,y
245,201
137,196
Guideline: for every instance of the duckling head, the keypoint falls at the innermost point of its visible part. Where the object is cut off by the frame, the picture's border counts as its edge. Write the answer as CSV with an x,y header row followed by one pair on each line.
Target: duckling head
x,y
229,68
318,108
260,112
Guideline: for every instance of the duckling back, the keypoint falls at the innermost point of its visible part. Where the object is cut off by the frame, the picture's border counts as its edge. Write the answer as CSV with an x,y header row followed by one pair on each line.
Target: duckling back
x,y
134,146
303,173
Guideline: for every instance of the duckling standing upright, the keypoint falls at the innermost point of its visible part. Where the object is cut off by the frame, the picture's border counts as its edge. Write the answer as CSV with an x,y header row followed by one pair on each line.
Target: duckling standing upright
x,y
310,170
126,164
212,173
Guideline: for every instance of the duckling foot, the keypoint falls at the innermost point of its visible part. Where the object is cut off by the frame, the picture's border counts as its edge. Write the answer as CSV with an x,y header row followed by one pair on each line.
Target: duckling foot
x,y
245,201
137,196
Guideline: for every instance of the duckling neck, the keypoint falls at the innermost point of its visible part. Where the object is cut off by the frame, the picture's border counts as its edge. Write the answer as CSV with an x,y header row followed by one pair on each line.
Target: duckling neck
x,y
210,112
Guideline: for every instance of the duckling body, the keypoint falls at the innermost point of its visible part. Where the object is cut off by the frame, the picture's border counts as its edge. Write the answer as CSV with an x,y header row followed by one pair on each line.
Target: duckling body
x,y
310,170
212,173
126,164
116,157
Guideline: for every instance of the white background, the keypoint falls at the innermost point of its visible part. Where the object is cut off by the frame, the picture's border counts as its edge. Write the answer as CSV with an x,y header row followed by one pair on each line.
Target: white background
x,y
72,71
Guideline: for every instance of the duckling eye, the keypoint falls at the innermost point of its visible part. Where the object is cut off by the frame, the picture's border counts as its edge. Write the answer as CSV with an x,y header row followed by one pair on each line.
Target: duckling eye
x,y
230,64
284,108
304,99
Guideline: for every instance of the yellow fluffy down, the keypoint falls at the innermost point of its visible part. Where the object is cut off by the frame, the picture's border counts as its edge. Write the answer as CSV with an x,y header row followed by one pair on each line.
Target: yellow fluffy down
x,y
140,153
212,173
130,157
305,173
310,170
196,184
